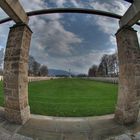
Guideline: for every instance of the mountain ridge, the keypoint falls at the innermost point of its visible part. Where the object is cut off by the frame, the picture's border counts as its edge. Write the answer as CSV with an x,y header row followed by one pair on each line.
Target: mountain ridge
x,y
52,72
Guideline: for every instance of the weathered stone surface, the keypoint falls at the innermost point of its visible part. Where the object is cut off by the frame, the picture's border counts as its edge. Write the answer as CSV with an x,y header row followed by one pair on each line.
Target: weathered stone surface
x,y
15,10
16,75
129,80
20,137
17,116
123,137
132,15
136,136
126,136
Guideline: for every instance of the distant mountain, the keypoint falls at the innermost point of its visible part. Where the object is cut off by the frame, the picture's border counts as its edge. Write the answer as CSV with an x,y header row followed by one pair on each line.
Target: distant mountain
x,y
55,72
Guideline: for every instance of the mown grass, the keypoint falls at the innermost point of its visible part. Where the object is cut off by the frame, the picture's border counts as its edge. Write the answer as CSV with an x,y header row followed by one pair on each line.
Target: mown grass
x,y
71,97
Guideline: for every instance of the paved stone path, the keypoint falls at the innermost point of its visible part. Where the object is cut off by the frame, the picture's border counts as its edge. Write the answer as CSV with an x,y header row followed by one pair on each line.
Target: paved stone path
x,y
127,136
53,128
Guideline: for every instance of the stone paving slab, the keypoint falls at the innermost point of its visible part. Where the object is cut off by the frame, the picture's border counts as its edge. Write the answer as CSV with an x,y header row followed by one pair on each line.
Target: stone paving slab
x,y
75,137
6,136
10,127
127,136
71,128
55,128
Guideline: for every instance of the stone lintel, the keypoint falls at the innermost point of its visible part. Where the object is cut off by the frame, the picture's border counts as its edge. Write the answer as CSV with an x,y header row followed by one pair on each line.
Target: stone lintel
x,y
132,15
14,9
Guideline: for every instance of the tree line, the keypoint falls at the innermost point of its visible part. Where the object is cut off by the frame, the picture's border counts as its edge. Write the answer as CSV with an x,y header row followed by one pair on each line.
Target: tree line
x,y
35,68
108,66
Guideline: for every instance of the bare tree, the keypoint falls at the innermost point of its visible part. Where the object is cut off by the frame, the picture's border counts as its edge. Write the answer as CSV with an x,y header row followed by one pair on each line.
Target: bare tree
x,y
30,65
108,65
104,65
93,71
114,68
34,66
43,70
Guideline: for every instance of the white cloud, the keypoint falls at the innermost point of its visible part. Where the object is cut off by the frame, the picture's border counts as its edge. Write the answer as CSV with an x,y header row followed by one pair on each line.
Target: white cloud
x,y
53,37
33,5
4,30
137,28
2,14
113,40
61,3
109,25
118,7
106,24
48,30
76,3
78,64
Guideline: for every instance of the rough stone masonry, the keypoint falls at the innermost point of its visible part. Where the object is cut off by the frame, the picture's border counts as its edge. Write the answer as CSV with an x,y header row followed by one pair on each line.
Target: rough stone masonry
x,y
15,74
129,76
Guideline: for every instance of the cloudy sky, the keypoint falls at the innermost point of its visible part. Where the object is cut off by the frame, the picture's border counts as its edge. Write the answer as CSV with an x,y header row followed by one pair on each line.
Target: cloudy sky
x,y
70,41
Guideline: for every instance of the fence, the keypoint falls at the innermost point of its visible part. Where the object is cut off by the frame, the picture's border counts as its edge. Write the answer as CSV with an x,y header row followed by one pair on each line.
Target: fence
x,y
30,79
113,80
1,78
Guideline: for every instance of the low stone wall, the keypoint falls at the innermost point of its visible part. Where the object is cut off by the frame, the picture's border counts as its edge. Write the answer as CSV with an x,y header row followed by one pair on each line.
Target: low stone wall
x,y
30,79
1,78
113,80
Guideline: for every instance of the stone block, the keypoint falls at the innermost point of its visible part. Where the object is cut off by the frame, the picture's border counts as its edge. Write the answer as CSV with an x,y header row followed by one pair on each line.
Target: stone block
x,y
16,116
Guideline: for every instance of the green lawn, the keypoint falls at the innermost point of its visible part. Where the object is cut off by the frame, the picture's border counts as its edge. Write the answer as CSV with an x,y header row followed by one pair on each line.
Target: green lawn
x,y
71,97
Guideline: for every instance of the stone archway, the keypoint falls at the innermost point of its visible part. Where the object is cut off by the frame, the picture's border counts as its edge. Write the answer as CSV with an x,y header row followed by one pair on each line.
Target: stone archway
x,y
16,59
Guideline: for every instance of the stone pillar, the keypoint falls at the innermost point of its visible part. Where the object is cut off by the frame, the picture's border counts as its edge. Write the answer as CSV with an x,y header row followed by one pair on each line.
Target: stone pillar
x,y
16,74
129,76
